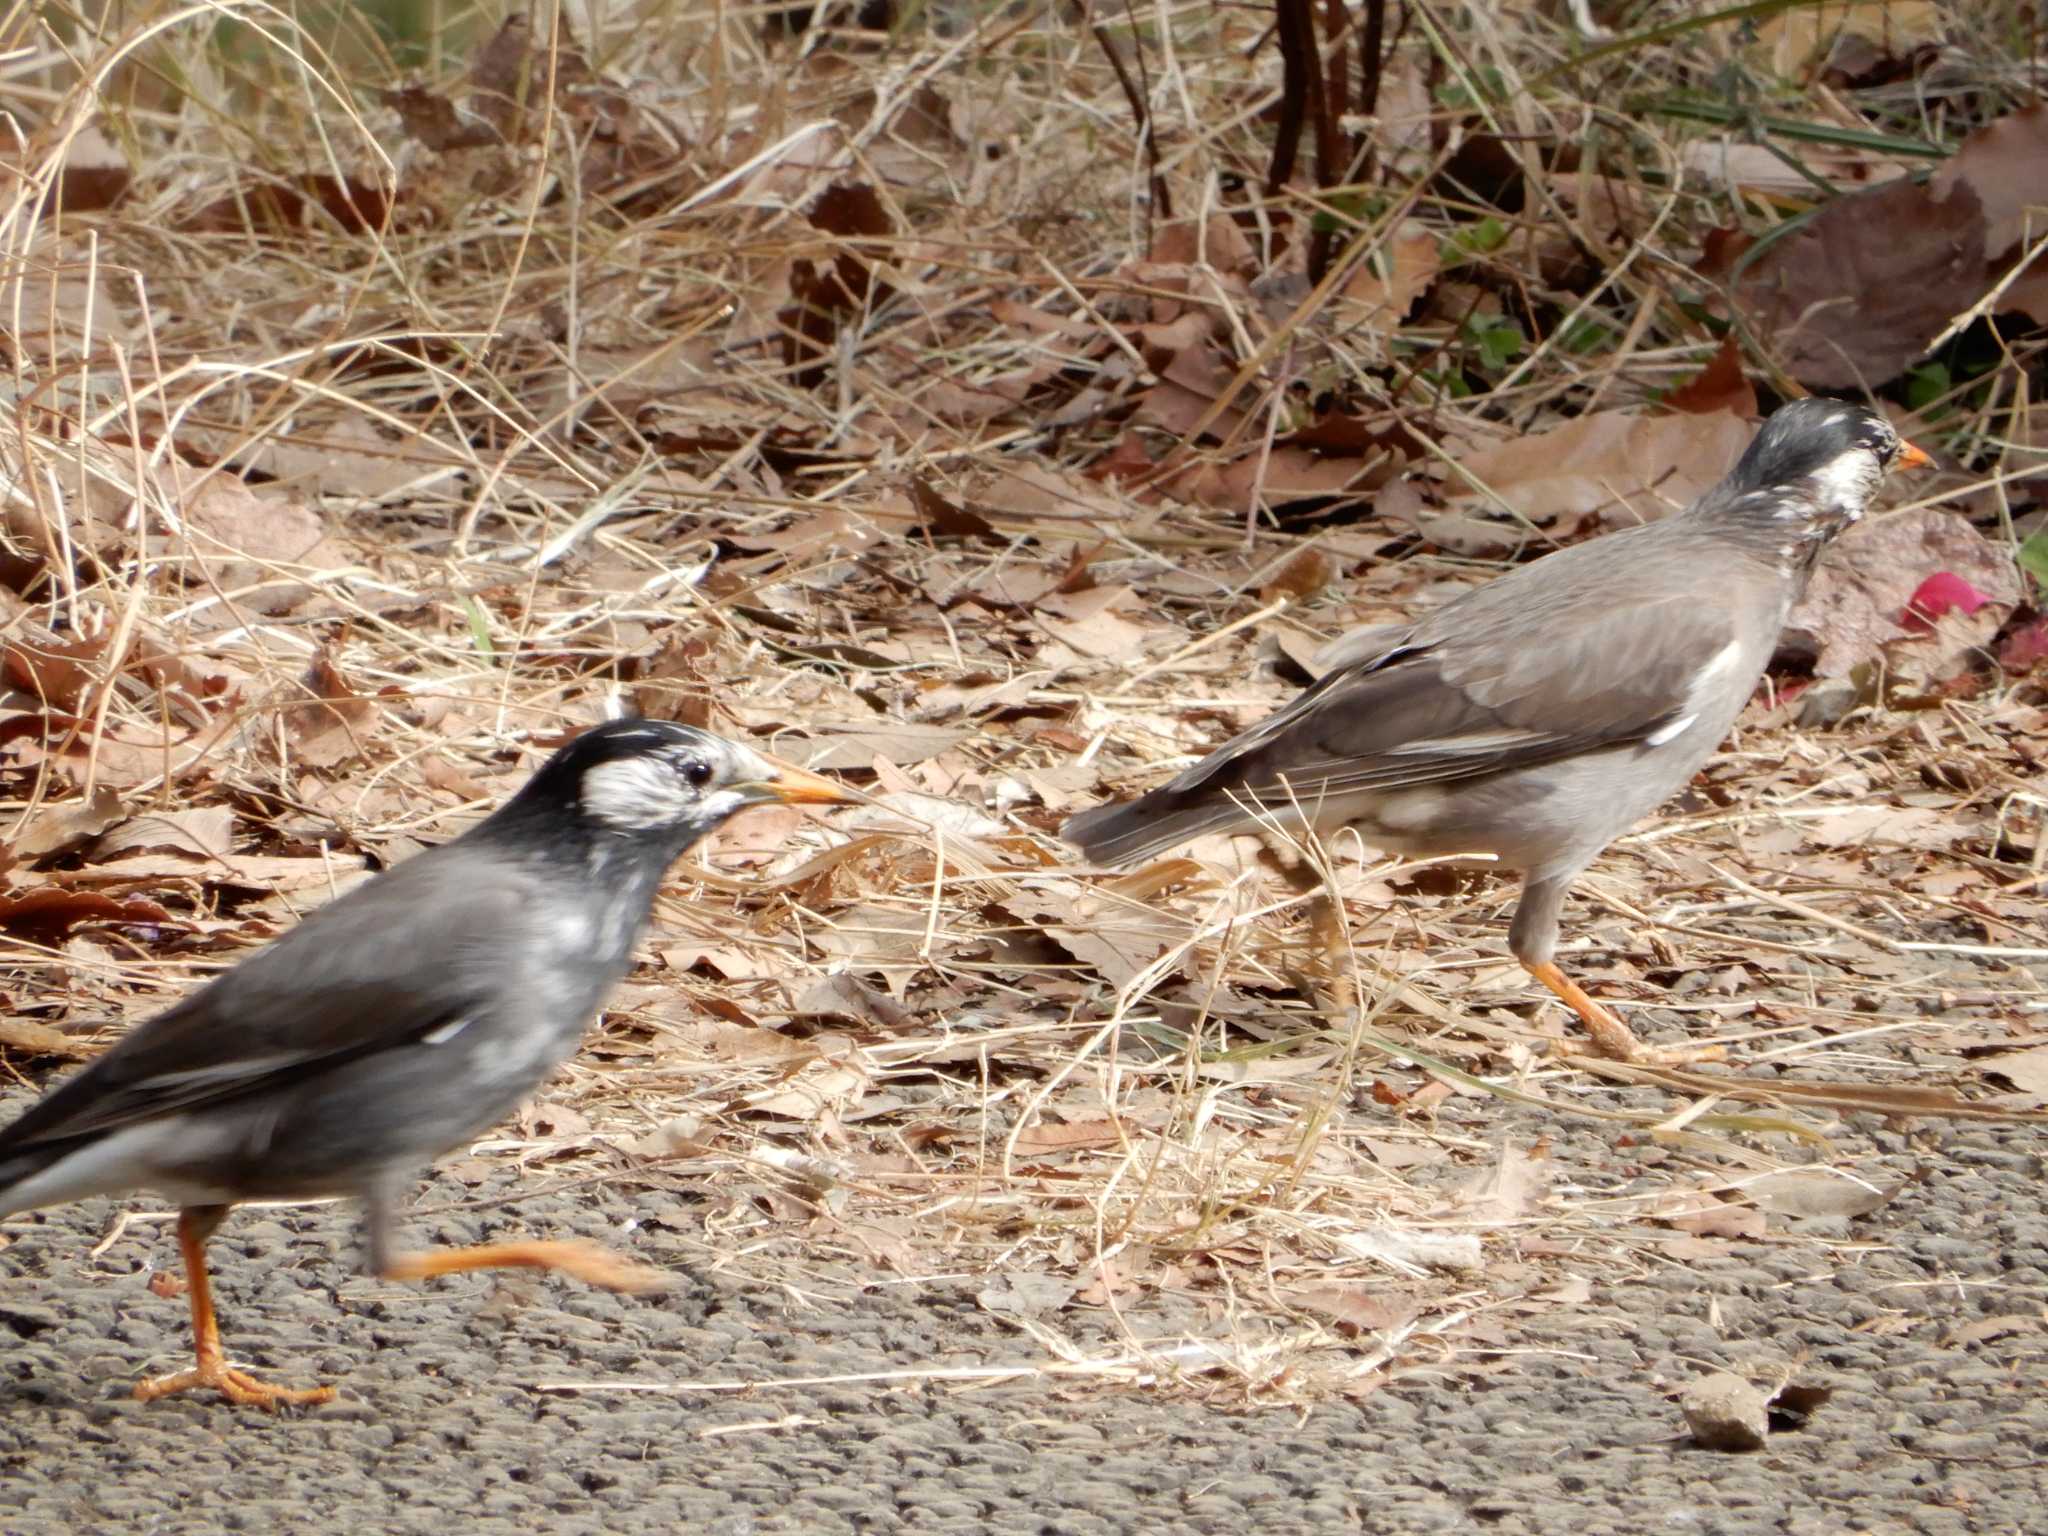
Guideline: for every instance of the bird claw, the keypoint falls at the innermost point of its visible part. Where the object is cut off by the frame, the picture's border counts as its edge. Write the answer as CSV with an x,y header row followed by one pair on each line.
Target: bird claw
x,y
237,1387
1611,1038
607,1270
587,1262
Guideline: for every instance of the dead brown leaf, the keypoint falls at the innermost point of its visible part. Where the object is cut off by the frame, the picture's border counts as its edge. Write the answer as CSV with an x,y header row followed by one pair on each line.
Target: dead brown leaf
x,y
1505,1193
1087,625
1817,1193
51,827
59,673
241,871
1354,1309
330,723
1619,467
2005,164
206,832
1720,1219
841,995
47,911
1720,386
32,1039
1379,294
1043,1137
1858,291
2025,1070
1790,40
1119,939
836,746
1305,573
249,545
1025,1294
817,1088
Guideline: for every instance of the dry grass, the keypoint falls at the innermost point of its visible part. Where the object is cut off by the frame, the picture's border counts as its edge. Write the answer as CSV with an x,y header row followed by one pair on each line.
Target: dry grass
x,y
547,407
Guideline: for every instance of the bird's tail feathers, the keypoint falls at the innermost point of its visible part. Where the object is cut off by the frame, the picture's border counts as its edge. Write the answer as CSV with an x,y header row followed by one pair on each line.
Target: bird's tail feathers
x,y
1152,824
16,1172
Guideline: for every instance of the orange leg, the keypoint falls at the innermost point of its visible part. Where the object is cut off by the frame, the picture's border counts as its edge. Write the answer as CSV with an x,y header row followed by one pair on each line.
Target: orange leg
x,y
195,1225
1610,1036
585,1261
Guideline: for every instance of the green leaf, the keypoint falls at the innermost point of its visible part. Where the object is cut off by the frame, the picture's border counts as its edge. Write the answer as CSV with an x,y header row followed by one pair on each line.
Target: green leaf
x,y
1498,339
1501,345
1447,381
1481,239
1587,334
1928,383
479,627
2034,556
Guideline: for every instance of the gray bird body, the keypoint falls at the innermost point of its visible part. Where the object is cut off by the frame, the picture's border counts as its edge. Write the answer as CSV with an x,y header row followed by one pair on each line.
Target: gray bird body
x,y
396,1022
1457,735
304,1073
1536,718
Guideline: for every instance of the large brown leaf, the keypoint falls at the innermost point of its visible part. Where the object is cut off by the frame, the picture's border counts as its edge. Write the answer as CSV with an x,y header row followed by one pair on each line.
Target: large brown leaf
x,y
1857,293
2006,164
1620,467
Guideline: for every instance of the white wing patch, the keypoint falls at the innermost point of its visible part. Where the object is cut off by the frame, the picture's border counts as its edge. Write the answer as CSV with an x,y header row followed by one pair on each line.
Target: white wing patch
x,y
1719,663
441,1034
1668,730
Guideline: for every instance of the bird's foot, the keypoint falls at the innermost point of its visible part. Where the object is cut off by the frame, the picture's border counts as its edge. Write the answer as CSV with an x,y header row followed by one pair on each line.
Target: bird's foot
x,y
1612,1038
1678,1055
583,1261
236,1386
1331,974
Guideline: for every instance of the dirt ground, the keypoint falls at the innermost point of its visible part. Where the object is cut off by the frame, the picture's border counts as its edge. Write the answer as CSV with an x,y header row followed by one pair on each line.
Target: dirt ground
x,y
1923,1319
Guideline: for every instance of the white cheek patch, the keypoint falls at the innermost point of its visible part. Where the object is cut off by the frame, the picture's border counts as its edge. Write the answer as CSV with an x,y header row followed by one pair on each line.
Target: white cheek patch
x,y
1846,482
722,803
631,794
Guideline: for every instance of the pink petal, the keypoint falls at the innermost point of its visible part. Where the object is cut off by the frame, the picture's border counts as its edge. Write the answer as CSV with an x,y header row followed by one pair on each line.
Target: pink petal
x,y
1936,596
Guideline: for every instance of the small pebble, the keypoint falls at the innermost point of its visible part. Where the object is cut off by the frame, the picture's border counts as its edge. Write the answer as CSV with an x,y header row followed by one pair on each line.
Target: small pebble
x,y
1726,1413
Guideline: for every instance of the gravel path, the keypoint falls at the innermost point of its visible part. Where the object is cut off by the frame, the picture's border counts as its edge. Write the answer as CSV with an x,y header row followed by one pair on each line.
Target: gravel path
x,y
1924,1318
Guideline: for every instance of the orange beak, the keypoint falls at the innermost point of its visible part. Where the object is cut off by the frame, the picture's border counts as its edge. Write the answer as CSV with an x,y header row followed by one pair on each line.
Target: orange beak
x,y
1909,457
799,786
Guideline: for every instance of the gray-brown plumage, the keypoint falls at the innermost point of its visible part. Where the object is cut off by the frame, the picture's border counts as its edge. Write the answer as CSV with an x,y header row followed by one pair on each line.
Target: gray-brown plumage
x,y
1537,718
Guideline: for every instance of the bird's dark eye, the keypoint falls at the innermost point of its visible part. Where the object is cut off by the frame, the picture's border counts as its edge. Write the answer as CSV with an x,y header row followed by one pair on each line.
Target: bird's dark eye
x,y
696,773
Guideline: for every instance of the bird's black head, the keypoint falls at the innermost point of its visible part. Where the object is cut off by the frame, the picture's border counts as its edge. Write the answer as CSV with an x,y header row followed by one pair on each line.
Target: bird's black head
x,y
658,781
1814,466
